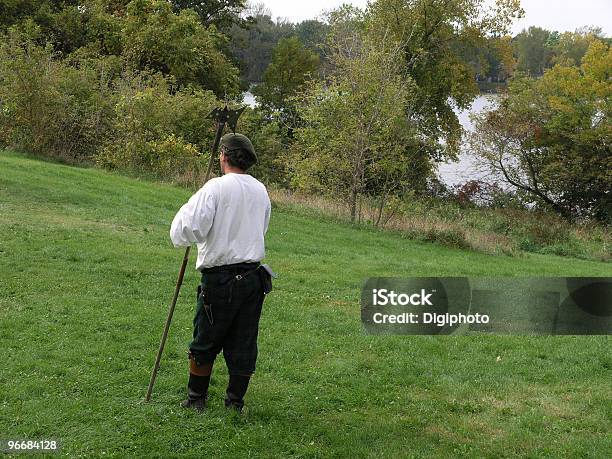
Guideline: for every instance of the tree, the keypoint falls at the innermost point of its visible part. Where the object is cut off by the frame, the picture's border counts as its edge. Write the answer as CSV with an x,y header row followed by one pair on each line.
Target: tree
x,y
570,47
291,67
430,32
501,62
49,107
353,135
145,34
156,38
491,60
312,33
534,51
68,25
552,137
220,13
252,44
14,11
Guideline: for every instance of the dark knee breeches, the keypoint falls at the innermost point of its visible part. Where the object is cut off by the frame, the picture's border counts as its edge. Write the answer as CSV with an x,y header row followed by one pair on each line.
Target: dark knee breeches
x,y
227,315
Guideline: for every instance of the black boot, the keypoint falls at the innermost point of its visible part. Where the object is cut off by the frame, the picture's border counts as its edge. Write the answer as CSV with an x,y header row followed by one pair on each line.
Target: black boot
x,y
236,389
197,392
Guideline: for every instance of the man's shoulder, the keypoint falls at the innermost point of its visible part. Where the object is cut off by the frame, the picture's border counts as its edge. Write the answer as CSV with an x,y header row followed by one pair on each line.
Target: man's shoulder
x,y
208,190
257,182
261,186
212,184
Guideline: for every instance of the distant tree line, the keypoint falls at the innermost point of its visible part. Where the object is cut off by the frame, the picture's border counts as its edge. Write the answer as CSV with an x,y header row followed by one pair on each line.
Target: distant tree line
x,y
494,60
537,49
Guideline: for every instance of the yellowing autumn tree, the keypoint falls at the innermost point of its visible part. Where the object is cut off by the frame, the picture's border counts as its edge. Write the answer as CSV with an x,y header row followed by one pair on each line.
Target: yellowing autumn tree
x,y
552,137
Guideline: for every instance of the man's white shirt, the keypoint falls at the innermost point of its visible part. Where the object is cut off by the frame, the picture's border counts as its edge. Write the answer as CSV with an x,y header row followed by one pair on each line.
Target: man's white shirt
x,y
227,218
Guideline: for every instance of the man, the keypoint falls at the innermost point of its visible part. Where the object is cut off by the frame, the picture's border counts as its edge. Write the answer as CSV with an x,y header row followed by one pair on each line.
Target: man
x,y
227,218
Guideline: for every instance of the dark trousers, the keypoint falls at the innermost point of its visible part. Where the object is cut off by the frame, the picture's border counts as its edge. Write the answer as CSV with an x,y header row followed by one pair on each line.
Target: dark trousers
x,y
228,309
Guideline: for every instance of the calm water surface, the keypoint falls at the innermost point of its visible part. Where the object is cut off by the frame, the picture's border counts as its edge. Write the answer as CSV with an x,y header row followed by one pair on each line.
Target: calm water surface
x,y
465,169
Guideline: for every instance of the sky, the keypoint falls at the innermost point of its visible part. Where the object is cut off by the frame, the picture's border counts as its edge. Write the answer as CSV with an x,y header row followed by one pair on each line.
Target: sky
x,y
560,15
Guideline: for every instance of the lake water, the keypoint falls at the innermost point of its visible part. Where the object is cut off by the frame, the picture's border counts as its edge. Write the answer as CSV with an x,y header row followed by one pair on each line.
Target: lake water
x,y
465,169
454,173
249,99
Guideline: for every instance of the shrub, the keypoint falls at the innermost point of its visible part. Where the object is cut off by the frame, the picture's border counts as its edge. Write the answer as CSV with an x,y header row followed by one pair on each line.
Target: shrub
x,y
48,106
568,249
169,158
270,146
540,232
449,237
158,131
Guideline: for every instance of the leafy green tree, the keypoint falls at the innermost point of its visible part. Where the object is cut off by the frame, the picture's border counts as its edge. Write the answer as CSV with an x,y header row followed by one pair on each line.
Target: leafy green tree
x,y
49,107
551,137
430,32
14,11
268,136
500,59
534,51
492,61
221,13
312,33
252,44
353,135
146,34
570,47
156,38
93,27
158,131
291,67
69,25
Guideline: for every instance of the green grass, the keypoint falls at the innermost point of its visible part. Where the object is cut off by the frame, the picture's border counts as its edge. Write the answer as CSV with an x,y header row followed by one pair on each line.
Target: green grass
x,y
86,274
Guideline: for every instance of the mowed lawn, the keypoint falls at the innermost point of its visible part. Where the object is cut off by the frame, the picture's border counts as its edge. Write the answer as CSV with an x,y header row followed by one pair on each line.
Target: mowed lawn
x,y
86,275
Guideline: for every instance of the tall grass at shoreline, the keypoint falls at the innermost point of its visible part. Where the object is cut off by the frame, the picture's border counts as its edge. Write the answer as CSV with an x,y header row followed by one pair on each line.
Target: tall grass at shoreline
x,y
487,230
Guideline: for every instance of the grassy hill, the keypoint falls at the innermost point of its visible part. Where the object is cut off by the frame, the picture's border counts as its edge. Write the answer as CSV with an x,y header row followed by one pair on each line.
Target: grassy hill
x,y
86,274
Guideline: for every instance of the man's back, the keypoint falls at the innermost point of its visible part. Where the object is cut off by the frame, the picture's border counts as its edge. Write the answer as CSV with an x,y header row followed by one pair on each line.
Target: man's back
x,y
241,221
228,218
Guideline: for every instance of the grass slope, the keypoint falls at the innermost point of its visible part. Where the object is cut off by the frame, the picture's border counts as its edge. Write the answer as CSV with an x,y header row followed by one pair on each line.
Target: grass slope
x,y
86,275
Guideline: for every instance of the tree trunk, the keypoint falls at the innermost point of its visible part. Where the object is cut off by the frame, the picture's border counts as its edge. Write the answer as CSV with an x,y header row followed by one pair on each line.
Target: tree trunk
x,y
353,203
355,190
383,199
360,202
